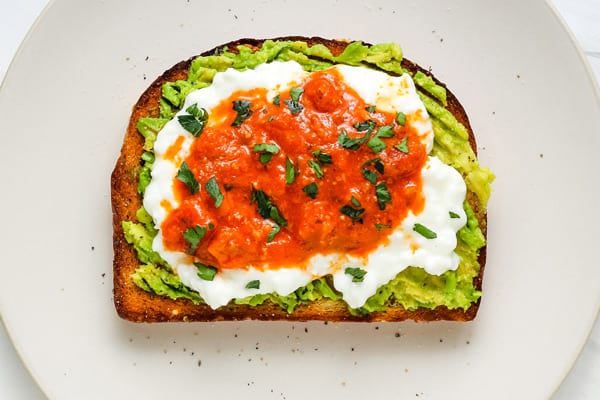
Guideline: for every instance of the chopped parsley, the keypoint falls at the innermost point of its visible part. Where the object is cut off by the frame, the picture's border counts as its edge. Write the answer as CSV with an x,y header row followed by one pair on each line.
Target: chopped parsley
x,y
401,118
357,274
290,171
424,231
294,102
402,146
454,215
274,231
375,143
311,190
379,227
266,151
268,210
370,109
316,168
255,284
186,176
369,175
212,187
322,158
365,126
206,272
355,202
193,236
350,143
195,121
354,213
383,195
277,100
242,107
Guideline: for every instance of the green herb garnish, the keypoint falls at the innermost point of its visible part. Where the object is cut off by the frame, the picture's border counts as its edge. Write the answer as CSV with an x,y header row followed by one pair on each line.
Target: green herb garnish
x,y
294,103
316,168
370,109
369,175
382,226
365,126
186,176
195,121
277,100
290,171
354,213
402,146
266,208
311,190
401,118
242,107
274,231
206,272
351,143
194,236
255,284
454,215
355,202
322,158
424,231
383,195
266,151
357,274
212,187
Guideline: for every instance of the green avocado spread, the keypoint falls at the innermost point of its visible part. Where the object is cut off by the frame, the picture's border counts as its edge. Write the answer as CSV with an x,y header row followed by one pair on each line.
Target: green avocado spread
x,y
412,288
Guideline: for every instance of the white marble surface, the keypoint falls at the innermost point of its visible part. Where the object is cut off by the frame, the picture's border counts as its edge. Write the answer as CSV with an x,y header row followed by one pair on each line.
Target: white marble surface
x,y
582,18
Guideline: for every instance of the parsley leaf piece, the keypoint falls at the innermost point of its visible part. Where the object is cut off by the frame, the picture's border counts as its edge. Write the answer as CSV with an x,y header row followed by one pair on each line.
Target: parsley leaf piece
x,y
382,226
277,100
323,158
255,284
376,145
266,208
369,175
402,146
206,272
365,126
454,215
357,274
242,107
353,213
401,118
370,109
377,163
266,151
212,187
295,93
190,124
195,122
186,176
290,171
294,103
355,202
424,231
271,118
349,143
316,167
383,195
274,231
311,190
194,236
386,131
265,148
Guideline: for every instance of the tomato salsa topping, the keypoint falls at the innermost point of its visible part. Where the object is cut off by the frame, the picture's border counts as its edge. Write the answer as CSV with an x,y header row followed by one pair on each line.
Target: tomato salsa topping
x,y
314,170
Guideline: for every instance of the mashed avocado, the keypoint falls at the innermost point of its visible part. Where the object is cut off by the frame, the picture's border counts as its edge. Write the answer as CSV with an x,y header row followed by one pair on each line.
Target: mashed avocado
x,y
412,288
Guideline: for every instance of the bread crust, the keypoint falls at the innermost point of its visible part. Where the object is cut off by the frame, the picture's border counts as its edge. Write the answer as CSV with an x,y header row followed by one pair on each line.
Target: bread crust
x,y
135,304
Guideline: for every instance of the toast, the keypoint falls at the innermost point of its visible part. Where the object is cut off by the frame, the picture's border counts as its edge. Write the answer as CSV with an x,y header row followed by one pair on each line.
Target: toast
x,y
135,302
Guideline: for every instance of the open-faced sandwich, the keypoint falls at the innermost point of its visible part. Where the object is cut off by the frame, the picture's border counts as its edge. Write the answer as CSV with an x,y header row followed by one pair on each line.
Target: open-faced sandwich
x,y
298,179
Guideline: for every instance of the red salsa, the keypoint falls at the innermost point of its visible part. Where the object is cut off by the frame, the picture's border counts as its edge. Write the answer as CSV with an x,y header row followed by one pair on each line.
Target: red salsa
x,y
316,170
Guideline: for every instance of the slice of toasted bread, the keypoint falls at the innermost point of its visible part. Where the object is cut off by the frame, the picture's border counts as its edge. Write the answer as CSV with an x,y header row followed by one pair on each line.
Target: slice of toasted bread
x,y
135,304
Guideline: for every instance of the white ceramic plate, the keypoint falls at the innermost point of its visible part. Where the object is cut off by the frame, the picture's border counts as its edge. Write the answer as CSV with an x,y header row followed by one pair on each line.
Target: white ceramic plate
x,y
64,107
